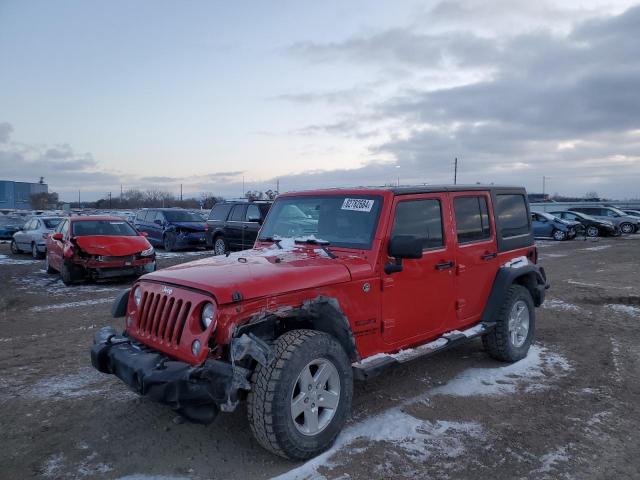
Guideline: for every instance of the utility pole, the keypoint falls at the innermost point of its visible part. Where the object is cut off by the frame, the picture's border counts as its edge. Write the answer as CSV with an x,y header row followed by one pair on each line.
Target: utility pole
x,y
180,194
121,194
544,185
243,185
455,171
109,200
78,198
277,185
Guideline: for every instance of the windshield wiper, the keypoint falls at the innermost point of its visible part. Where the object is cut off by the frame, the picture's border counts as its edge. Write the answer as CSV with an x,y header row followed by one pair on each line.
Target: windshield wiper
x,y
275,240
323,244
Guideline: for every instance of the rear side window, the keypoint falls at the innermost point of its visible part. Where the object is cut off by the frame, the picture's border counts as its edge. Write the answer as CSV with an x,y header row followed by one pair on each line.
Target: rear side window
x,y
472,219
141,215
220,211
253,212
422,218
237,214
511,210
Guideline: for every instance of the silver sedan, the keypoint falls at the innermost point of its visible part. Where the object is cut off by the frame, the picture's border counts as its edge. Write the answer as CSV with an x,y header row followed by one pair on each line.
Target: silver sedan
x,y
32,236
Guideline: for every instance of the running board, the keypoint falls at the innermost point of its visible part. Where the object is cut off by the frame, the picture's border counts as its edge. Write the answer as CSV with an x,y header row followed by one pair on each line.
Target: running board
x,y
374,365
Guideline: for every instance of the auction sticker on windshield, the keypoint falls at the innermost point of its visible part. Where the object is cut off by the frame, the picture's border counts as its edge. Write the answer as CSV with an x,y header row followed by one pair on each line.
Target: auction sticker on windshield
x,y
357,204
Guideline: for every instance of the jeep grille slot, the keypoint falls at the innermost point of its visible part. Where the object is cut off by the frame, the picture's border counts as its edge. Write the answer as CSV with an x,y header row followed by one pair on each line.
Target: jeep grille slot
x,y
163,318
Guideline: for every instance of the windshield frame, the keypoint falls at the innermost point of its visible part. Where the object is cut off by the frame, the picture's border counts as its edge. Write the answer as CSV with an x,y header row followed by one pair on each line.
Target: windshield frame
x,y
337,245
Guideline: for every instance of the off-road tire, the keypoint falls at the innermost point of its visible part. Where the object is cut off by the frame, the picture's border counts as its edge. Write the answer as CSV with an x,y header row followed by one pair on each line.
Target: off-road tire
x,y
269,401
627,228
169,242
218,244
592,231
497,343
47,266
14,248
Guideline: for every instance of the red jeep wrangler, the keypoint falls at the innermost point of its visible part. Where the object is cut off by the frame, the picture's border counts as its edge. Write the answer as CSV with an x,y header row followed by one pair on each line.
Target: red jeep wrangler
x,y
340,284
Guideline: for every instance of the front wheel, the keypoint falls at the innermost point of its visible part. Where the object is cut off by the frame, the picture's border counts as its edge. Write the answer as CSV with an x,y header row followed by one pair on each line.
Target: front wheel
x,y
559,235
47,265
14,247
592,231
299,403
34,251
627,228
169,242
220,246
513,334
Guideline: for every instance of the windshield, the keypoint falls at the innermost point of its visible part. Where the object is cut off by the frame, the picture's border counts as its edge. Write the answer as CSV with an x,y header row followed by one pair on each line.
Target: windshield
x,y
103,227
51,222
181,216
619,212
342,221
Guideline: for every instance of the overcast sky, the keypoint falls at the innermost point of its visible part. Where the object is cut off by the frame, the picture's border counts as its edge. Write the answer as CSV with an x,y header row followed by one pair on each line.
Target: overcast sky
x,y
151,94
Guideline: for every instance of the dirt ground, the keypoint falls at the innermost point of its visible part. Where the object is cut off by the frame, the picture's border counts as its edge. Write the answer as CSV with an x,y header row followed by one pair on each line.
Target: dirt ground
x,y
571,409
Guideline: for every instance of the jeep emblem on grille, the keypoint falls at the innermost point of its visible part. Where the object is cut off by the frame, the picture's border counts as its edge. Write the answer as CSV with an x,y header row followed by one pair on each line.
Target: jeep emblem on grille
x,y
167,290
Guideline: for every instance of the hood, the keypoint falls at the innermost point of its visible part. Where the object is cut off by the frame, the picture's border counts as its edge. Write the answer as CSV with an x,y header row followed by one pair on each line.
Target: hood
x,y
260,272
195,226
112,246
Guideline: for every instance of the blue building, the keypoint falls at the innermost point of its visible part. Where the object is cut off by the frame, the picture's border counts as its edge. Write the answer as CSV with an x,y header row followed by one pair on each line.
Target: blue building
x,y
17,195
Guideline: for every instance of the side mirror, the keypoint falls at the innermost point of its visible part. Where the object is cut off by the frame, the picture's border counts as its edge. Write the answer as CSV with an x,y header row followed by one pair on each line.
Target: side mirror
x,y
57,236
158,222
254,219
400,247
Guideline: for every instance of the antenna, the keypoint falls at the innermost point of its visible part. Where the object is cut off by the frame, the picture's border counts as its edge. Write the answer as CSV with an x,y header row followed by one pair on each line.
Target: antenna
x,y
455,171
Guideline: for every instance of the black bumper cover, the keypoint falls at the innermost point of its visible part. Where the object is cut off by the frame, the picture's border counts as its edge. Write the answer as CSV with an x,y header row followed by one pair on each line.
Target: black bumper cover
x,y
197,393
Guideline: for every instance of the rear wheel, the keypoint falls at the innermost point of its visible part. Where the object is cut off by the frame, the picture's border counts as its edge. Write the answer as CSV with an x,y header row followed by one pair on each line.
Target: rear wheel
x,y
14,248
299,403
34,251
513,334
559,235
592,231
169,242
627,228
47,266
69,274
220,246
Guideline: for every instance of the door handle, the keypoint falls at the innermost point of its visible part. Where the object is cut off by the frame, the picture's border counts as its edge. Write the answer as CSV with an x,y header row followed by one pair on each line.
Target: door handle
x,y
444,265
244,227
488,256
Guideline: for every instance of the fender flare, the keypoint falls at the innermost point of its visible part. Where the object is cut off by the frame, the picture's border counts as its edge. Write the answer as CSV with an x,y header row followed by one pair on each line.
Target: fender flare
x,y
531,276
119,305
320,313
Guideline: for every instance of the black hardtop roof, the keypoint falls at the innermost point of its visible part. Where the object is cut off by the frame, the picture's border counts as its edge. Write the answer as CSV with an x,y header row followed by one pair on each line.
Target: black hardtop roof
x,y
413,189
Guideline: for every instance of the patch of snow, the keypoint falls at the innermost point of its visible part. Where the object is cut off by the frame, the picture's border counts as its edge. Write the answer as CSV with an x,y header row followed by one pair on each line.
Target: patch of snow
x,y
196,253
42,335
626,309
81,303
418,438
41,282
551,460
596,249
594,285
508,379
555,304
89,468
140,476
53,465
517,262
553,255
7,260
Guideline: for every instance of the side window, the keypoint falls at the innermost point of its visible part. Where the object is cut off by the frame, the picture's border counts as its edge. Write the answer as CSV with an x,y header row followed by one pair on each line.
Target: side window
x,y
220,211
569,216
253,213
140,216
158,216
422,218
609,213
35,225
511,210
58,228
65,229
28,226
472,219
237,214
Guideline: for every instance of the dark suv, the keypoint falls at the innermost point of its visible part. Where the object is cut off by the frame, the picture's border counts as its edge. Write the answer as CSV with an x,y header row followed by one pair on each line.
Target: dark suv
x,y
235,225
172,228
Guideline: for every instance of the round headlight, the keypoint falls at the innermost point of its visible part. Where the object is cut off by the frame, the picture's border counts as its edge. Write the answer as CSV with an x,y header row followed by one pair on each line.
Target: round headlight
x,y
206,317
137,296
195,348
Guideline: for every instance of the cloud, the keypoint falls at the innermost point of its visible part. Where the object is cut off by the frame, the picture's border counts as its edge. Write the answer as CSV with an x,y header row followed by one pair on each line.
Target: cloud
x,y
547,102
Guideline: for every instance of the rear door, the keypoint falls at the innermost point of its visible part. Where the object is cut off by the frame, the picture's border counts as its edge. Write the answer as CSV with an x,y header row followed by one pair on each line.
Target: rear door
x,y
476,253
21,237
55,247
418,302
234,228
253,219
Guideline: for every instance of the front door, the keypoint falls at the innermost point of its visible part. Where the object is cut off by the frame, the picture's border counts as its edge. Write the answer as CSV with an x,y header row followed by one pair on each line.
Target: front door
x,y
55,248
235,227
418,302
476,254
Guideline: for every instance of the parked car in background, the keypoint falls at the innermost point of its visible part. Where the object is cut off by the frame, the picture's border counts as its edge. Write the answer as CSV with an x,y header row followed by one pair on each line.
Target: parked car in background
x,y
235,225
9,225
98,247
172,228
33,235
592,226
547,226
626,223
633,213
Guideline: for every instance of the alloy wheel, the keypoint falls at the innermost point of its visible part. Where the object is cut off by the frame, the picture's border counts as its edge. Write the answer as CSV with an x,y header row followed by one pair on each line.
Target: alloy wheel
x,y
518,323
219,247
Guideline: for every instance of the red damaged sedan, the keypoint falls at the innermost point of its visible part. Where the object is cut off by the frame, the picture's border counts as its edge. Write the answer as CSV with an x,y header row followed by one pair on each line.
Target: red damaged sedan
x,y
98,247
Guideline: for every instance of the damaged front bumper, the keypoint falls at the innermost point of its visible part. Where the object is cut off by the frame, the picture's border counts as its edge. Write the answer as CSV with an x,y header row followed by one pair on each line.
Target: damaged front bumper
x,y
196,392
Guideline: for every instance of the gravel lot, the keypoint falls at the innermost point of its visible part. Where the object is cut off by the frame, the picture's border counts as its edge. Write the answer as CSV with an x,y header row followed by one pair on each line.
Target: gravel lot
x,y
570,410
